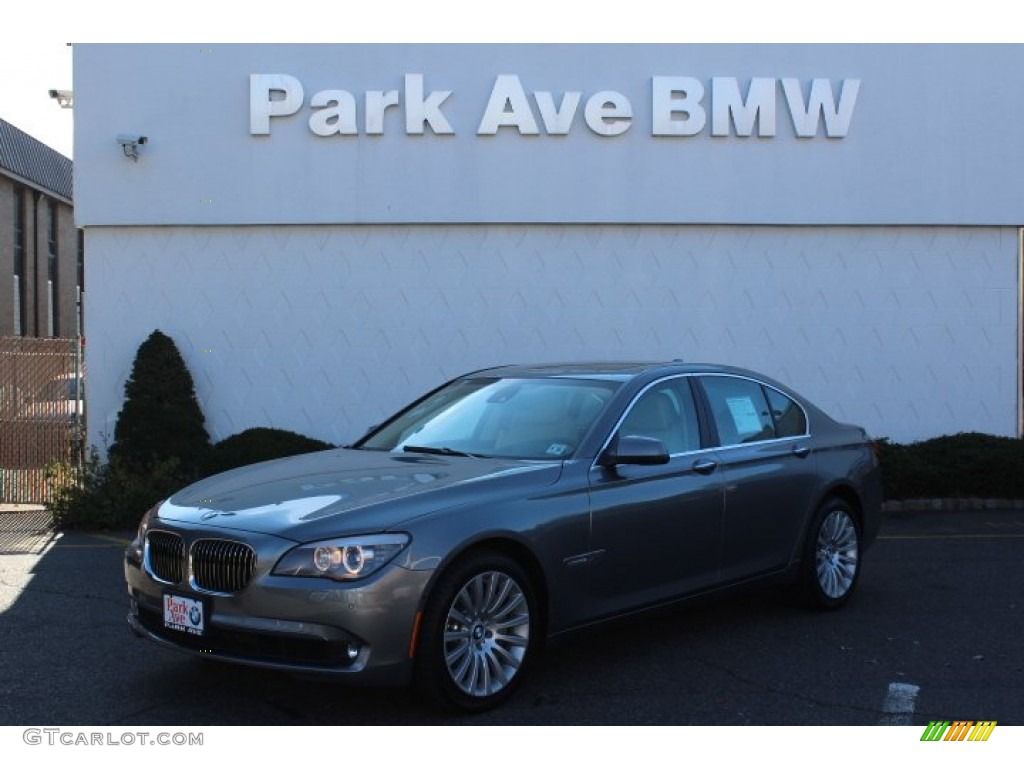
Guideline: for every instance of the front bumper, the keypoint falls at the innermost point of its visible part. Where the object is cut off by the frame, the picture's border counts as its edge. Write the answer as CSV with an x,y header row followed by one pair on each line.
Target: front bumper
x,y
360,631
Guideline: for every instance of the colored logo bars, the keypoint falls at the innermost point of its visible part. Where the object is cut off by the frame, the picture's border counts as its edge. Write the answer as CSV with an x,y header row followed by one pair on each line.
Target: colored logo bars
x,y
959,730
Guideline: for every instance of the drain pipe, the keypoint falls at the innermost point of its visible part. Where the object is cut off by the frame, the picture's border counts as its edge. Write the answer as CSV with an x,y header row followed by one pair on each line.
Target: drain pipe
x,y
35,260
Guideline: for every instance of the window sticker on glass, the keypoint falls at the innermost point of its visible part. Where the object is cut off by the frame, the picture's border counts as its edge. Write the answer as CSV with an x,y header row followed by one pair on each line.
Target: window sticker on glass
x,y
744,415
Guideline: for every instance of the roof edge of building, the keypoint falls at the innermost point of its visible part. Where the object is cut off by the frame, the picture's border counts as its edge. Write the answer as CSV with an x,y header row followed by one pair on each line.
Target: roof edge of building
x,y
30,161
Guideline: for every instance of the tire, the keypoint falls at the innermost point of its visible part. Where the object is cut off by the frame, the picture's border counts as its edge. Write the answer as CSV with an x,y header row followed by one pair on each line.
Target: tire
x,y
478,636
831,564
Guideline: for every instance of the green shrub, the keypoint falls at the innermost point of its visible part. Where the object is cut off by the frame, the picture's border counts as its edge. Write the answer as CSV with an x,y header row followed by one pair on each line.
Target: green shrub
x,y
258,444
965,465
108,496
160,419
159,444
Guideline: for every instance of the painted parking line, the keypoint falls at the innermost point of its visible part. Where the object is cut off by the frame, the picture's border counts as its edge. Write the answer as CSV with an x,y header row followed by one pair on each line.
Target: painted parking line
x,y
899,703
952,536
115,539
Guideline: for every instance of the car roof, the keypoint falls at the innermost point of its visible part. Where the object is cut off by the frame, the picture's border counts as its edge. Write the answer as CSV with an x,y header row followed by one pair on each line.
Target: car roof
x,y
615,370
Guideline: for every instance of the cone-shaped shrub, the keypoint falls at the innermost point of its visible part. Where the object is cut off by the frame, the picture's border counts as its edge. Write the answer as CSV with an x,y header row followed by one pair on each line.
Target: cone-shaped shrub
x,y
160,418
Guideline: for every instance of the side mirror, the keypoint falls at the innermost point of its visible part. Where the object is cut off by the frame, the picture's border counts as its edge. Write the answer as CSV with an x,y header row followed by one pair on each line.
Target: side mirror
x,y
634,449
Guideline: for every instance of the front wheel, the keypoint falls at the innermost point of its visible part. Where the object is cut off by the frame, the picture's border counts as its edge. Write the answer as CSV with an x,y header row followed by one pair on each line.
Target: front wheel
x,y
478,634
832,555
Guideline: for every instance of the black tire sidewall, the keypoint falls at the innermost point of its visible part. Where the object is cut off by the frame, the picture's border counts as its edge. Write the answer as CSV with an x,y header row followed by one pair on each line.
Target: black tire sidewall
x,y
432,679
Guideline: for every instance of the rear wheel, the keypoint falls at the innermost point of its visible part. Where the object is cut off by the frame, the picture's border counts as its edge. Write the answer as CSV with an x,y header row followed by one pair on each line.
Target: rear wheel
x,y
832,556
478,635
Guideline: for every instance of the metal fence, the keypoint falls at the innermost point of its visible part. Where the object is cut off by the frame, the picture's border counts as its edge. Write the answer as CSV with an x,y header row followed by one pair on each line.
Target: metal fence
x,y
42,414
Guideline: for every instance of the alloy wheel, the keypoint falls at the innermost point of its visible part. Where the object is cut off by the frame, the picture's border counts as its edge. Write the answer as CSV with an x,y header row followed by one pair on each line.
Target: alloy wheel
x,y
486,633
837,554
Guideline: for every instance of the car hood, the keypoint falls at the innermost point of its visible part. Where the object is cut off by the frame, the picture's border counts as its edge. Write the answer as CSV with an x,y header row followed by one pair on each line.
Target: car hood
x,y
341,492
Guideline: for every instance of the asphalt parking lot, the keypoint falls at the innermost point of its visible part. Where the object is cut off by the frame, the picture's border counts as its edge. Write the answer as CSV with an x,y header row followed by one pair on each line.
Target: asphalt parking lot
x,y
938,619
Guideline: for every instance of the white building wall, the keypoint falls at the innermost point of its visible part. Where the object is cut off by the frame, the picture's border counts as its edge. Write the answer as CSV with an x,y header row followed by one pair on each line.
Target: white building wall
x,y
910,331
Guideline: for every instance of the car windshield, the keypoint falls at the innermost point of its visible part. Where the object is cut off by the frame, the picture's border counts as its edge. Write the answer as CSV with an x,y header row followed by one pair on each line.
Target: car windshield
x,y
498,417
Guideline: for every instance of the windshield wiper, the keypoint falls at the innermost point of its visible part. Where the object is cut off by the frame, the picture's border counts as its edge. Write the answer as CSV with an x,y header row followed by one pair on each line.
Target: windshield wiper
x,y
442,451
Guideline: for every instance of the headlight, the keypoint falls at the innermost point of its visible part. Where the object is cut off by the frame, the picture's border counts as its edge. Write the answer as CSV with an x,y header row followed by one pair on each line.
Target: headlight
x,y
342,559
136,547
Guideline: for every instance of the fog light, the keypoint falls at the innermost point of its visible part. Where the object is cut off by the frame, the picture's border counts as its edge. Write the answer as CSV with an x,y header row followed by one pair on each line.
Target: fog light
x,y
352,651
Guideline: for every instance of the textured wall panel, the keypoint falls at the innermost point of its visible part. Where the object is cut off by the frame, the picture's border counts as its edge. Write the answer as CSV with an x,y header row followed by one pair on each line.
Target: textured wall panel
x,y
323,330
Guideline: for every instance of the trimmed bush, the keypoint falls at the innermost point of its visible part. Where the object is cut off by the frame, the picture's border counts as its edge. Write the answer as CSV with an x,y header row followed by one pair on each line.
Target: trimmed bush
x,y
160,442
258,444
965,465
108,496
160,419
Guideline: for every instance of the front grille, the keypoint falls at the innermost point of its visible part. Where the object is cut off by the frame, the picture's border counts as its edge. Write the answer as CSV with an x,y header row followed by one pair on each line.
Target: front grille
x,y
165,556
222,566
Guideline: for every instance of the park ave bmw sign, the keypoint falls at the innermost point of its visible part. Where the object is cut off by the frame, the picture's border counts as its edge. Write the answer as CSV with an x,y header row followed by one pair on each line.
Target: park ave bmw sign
x,y
679,106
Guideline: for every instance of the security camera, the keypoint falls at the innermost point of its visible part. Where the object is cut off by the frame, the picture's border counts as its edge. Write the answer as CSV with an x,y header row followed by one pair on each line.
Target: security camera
x,y
126,139
130,143
65,99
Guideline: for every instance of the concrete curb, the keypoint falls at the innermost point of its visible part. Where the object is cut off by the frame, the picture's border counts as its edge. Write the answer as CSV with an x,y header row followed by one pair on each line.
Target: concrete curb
x,y
951,505
5,508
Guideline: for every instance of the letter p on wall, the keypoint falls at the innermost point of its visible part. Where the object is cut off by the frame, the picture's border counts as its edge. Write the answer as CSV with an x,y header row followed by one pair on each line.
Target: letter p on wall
x,y
263,104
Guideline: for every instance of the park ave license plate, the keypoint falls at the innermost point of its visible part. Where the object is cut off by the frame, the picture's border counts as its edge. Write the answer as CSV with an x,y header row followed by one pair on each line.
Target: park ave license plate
x,y
184,614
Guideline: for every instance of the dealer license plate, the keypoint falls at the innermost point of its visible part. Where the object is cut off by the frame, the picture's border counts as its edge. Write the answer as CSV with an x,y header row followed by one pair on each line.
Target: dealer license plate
x,y
184,614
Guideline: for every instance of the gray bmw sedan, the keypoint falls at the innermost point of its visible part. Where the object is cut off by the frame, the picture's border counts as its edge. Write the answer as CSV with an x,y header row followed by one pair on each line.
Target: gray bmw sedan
x,y
508,506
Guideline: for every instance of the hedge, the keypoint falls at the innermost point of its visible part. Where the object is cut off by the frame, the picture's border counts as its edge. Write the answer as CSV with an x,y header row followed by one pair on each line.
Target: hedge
x,y
258,444
965,465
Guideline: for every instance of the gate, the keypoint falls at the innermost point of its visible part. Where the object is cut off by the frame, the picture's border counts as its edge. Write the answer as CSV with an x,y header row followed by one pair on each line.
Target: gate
x,y
42,414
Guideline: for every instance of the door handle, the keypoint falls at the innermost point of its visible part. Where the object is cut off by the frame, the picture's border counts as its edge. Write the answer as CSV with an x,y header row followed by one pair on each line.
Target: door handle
x,y
705,466
801,451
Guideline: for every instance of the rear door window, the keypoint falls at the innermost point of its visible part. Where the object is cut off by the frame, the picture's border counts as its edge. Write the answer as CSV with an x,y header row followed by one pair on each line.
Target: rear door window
x,y
740,410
